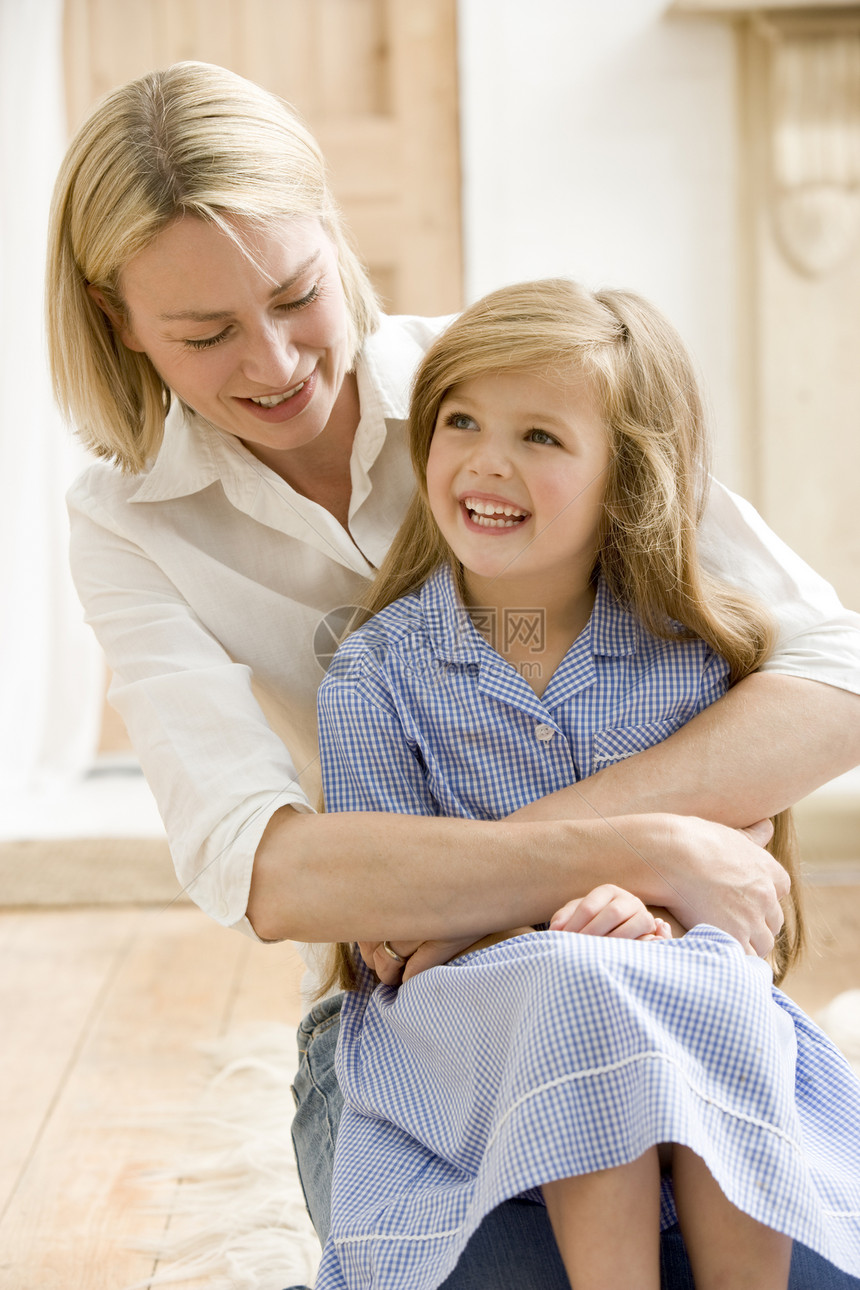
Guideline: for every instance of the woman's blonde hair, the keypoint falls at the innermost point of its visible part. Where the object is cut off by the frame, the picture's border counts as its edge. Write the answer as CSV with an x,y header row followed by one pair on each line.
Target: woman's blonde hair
x,y
197,140
656,485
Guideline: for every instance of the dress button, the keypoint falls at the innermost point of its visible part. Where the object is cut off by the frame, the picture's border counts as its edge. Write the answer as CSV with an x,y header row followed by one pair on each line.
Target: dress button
x,y
544,733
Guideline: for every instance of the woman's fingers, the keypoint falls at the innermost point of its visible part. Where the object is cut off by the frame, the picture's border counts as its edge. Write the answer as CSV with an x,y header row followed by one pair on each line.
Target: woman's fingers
x,y
761,832
380,961
434,953
417,956
723,876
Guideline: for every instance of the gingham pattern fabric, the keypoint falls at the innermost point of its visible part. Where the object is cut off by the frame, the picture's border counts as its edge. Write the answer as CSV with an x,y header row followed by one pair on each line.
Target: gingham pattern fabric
x,y
551,1054
418,714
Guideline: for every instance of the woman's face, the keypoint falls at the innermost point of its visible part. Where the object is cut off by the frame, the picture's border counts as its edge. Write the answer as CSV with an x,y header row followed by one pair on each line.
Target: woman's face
x,y
258,344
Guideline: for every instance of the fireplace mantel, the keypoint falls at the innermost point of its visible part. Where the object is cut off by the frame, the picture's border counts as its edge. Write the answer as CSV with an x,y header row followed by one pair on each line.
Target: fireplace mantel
x,y
797,111
744,9
808,68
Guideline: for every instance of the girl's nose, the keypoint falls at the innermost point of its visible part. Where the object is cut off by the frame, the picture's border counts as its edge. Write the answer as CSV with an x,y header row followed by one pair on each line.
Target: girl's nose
x,y
270,358
489,457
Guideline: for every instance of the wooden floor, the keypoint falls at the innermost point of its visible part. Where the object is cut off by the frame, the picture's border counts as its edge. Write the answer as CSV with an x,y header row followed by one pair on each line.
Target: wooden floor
x,y
103,1011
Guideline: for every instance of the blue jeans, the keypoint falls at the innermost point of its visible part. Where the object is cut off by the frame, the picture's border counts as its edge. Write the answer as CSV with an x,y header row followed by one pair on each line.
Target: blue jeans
x,y
514,1248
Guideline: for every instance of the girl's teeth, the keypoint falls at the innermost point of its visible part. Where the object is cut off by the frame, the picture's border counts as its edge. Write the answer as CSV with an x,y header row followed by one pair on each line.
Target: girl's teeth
x,y
492,514
487,522
272,400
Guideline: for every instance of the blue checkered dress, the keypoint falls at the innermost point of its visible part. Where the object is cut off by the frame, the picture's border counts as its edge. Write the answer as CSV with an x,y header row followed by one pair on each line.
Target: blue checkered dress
x,y
552,1054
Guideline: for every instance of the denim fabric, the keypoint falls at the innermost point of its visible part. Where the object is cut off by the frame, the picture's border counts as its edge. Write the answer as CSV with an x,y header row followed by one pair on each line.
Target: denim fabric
x,y
318,1105
514,1248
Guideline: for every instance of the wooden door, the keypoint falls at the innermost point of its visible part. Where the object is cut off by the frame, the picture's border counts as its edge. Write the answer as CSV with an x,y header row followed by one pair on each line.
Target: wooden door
x,y
376,81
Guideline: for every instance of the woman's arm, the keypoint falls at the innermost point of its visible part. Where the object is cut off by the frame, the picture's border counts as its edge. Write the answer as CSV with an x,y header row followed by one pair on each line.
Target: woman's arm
x,y
369,876
406,877
771,740
224,783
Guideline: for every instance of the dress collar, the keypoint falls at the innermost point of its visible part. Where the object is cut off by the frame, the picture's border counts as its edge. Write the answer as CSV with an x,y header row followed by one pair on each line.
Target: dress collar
x,y
611,631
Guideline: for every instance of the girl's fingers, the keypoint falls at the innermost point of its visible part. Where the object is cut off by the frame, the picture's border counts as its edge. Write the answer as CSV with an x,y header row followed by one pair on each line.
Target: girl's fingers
x,y
639,923
563,919
625,918
662,932
578,914
606,911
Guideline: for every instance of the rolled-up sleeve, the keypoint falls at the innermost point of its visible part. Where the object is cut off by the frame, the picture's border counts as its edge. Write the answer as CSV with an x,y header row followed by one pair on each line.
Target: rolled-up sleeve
x,y
817,637
216,768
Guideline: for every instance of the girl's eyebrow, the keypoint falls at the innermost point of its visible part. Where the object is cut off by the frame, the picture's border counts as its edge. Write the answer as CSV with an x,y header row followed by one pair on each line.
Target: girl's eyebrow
x,y
216,315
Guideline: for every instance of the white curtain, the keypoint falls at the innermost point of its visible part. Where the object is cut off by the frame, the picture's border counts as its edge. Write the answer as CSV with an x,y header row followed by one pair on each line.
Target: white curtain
x,y
50,668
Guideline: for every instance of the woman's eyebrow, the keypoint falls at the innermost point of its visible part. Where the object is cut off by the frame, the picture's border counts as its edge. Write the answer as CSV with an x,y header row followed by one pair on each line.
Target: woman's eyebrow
x,y
215,315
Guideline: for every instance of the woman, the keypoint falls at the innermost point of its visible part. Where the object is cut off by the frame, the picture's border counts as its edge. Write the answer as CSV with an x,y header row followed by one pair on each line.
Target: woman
x,y
217,343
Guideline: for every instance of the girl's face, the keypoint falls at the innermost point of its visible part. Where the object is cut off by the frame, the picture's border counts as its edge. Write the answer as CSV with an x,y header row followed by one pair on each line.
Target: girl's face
x,y
516,478
258,346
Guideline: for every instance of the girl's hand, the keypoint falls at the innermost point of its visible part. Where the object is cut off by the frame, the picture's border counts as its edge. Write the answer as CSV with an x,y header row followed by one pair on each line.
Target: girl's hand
x,y
610,911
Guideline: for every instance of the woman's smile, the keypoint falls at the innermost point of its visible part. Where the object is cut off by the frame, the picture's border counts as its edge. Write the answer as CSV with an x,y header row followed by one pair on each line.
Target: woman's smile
x,y
251,331
277,408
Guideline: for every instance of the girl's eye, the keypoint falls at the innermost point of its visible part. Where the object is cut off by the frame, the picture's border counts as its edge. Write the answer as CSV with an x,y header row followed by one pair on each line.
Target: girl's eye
x,y
207,341
460,421
541,436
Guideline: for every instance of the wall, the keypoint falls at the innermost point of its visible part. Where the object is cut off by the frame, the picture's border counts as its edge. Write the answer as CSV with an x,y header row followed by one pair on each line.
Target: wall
x,y
599,142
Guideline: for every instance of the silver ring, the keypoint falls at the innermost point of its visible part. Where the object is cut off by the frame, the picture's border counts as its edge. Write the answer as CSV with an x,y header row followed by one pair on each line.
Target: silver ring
x,y
392,954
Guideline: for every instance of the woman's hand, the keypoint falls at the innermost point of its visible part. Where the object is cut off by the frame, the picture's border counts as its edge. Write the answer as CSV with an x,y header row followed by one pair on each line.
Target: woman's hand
x,y
420,955
701,872
610,911
727,879
389,971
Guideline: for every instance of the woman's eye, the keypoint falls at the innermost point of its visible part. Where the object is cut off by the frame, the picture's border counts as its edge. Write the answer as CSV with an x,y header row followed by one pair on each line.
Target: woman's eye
x,y
303,302
208,341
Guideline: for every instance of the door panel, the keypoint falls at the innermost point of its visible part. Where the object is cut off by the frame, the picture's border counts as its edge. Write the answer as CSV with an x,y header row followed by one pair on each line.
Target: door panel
x,y
376,80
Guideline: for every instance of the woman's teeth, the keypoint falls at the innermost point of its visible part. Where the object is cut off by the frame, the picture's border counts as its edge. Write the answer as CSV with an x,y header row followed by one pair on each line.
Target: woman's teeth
x,y
492,514
272,400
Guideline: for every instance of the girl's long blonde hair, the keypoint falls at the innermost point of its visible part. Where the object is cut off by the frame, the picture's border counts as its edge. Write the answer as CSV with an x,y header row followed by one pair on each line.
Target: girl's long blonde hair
x,y
656,486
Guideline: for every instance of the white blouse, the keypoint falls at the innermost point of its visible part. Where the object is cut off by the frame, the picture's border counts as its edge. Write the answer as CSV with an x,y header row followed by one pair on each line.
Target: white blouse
x,y
207,580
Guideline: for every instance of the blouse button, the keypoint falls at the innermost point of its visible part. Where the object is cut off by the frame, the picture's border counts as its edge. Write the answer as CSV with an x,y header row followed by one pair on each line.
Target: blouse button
x,y
544,733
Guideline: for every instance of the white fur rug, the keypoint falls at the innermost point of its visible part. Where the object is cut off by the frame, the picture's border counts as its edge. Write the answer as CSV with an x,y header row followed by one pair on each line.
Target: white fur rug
x,y
238,1219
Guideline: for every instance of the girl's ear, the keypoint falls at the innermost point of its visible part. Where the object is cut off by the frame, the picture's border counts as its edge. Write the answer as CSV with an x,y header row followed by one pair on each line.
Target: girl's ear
x,y
116,320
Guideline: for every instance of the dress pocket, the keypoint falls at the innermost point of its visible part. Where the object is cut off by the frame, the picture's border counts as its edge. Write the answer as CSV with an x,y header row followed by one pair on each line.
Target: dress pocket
x,y
609,746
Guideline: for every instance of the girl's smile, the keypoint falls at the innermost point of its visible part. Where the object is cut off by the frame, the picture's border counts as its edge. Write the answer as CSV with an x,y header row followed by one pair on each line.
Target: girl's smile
x,y
493,513
516,479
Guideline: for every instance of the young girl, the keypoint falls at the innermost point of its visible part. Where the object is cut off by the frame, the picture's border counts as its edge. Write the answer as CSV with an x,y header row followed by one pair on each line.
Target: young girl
x,y
542,613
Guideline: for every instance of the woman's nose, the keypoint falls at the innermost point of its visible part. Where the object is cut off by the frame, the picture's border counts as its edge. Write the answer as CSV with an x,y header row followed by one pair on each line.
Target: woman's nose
x,y
270,358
